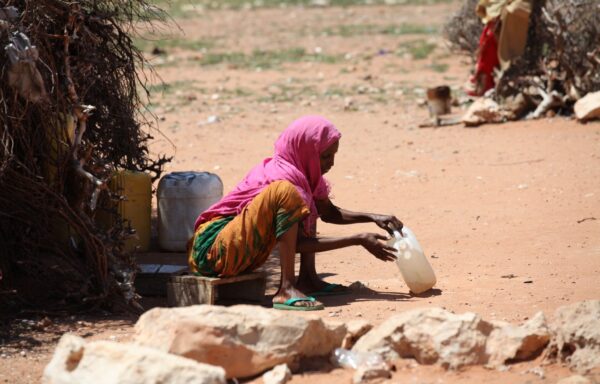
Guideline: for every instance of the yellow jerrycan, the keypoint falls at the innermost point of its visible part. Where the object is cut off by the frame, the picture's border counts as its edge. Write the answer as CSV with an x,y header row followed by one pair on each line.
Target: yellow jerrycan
x,y
136,205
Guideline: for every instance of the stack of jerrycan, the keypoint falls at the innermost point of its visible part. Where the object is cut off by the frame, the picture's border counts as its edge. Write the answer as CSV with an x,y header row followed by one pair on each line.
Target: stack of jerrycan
x,y
182,196
135,207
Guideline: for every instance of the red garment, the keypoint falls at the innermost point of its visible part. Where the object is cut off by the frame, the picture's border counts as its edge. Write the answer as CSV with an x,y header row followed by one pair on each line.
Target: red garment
x,y
487,60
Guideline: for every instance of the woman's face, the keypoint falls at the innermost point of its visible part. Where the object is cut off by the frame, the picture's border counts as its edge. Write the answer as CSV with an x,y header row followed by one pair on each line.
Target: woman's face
x,y
328,156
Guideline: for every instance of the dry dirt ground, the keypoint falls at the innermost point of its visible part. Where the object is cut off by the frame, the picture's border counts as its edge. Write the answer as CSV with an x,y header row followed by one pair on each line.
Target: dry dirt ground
x,y
509,215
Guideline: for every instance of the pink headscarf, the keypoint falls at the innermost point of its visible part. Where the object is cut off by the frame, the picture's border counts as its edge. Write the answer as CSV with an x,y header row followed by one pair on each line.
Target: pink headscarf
x,y
296,160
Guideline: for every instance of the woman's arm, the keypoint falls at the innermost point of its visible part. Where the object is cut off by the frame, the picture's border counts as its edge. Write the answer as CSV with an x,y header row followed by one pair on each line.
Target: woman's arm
x,y
329,213
370,241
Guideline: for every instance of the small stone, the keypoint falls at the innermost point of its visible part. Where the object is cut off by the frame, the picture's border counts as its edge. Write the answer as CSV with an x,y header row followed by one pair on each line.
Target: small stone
x,y
348,103
538,371
364,374
279,375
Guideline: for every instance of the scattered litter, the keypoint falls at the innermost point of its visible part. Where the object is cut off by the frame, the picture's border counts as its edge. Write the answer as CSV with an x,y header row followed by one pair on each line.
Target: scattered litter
x,y
350,359
212,119
538,371
335,313
509,276
23,74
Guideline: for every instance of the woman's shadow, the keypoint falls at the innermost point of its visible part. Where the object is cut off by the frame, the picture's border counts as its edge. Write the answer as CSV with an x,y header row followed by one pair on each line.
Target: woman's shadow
x,y
358,292
361,292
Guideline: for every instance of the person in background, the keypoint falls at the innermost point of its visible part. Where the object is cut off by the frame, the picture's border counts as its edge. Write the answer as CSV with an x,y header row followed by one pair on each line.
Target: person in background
x,y
503,39
487,53
278,203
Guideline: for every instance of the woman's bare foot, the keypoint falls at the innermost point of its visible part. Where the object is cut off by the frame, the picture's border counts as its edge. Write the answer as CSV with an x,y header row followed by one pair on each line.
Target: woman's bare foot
x,y
292,293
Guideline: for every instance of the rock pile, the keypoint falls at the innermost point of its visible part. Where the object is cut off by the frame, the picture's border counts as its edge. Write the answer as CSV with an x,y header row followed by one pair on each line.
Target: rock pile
x,y
209,344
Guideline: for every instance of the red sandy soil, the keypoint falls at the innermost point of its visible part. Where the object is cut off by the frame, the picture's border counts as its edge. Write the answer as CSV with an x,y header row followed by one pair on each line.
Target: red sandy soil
x,y
508,215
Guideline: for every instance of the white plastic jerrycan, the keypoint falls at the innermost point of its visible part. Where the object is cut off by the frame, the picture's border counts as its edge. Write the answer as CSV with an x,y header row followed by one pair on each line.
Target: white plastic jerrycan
x,y
182,196
414,267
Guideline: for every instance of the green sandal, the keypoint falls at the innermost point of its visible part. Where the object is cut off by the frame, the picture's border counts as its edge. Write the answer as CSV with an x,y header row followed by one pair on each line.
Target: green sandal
x,y
289,304
329,290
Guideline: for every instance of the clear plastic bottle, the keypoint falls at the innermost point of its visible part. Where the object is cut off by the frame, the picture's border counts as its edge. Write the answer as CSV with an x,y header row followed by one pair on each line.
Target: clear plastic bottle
x,y
351,359
414,267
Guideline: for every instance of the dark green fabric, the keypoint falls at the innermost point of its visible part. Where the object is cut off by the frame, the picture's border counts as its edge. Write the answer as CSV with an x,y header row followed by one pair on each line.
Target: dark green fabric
x,y
284,221
202,244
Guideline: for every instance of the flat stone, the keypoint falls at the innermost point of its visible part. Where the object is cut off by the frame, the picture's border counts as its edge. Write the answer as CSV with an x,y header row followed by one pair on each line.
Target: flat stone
x,y
588,107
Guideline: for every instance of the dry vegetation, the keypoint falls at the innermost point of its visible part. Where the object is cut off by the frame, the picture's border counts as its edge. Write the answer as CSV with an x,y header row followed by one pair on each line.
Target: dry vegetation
x,y
69,119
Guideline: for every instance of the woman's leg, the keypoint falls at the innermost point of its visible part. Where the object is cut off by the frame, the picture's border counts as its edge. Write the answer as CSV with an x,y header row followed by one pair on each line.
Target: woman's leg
x,y
308,279
287,253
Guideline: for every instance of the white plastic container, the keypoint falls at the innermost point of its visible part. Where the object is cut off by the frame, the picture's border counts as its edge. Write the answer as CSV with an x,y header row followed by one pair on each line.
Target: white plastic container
x,y
414,267
182,196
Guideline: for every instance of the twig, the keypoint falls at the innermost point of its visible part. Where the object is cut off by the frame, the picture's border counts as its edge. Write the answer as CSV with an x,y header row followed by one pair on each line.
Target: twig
x,y
586,219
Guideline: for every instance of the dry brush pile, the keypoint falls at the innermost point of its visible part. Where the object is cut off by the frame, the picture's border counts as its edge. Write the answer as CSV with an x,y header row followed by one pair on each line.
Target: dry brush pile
x,y
561,62
69,117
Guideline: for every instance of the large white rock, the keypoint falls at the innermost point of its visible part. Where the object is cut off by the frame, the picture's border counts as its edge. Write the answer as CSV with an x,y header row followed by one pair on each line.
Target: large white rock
x,y
245,340
430,335
588,107
511,343
576,335
106,362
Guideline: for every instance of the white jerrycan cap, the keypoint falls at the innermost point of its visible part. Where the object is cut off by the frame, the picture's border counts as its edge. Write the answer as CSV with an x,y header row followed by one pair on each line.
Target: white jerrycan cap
x,y
399,241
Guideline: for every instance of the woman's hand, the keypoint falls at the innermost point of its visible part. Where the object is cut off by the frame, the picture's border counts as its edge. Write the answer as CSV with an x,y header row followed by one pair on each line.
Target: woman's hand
x,y
370,241
388,222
